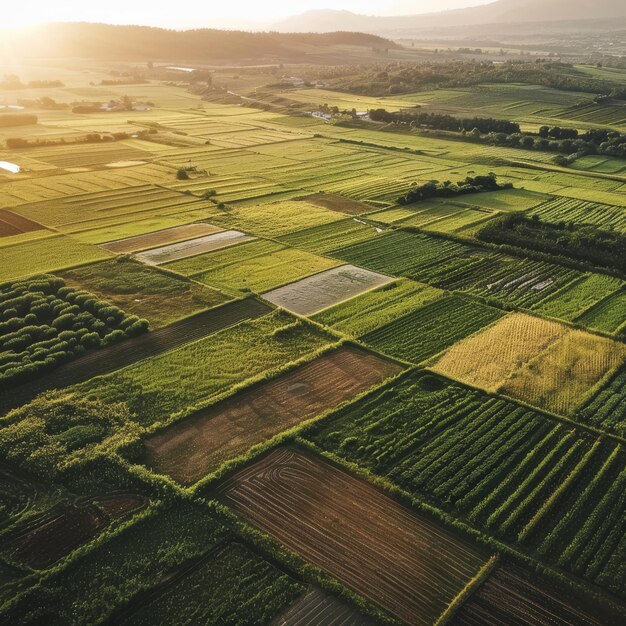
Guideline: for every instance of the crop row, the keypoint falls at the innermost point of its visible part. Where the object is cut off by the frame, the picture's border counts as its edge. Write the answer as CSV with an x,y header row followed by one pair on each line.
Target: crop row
x,y
432,328
582,212
510,471
607,408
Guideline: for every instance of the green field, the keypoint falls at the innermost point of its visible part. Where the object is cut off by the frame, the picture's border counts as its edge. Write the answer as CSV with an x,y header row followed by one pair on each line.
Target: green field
x,y
381,414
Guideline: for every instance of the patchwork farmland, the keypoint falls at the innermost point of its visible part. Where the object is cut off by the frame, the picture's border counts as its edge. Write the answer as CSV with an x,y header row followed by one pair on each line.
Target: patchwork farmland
x,y
263,366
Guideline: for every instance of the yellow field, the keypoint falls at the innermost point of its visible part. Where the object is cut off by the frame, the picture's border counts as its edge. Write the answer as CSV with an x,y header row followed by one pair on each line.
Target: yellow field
x,y
558,379
487,359
279,218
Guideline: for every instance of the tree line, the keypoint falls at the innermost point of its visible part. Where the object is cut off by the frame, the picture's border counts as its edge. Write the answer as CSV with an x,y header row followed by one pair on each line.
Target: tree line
x,y
448,189
581,242
497,132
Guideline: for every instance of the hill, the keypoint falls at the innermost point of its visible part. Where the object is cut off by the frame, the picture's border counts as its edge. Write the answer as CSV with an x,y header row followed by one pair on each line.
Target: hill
x,y
132,43
576,13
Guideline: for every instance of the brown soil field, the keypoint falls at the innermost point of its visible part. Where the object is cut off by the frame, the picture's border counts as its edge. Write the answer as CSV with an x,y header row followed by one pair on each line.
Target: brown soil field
x,y
129,351
13,224
317,608
160,237
405,563
47,539
513,597
190,449
338,203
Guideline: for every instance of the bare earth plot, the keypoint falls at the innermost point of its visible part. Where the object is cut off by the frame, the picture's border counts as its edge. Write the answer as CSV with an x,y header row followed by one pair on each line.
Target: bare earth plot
x,y
403,562
185,249
13,224
116,356
513,597
317,608
160,237
190,449
314,293
341,204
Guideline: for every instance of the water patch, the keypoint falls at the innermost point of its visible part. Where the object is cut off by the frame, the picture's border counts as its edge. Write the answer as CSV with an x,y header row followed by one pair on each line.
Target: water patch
x,y
13,168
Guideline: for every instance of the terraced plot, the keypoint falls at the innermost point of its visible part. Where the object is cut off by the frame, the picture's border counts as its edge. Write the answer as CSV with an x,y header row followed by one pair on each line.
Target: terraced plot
x,y
192,376
512,596
488,358
378,307
428,330
320,291
508,470
190,449
14,224
133,350
259,272
560,377
160,238
192,247
44,540
606,408
316,607
403,562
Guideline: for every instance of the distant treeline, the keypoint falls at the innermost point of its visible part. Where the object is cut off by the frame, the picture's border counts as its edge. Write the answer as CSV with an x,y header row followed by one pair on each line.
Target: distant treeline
x,y
8,120
391,78
448,189
11,81
17,142
445,122
582,242
505,133
106,42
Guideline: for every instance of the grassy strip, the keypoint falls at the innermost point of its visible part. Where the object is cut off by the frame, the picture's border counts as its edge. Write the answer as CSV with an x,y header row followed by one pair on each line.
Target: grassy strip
x,y
483,573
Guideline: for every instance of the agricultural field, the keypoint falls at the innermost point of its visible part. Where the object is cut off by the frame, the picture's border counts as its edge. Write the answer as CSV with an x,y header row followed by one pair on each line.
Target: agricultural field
x,y
535,360
533,597
191,247
386,564
160,297
46,323
191,448
323,290
245,381
373,309
173,383
432,328
260,272
606,408
508,470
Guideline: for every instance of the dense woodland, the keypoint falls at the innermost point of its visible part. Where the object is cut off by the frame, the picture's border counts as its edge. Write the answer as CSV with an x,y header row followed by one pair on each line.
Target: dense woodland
x,y
582,242
395,78
448,189
103,41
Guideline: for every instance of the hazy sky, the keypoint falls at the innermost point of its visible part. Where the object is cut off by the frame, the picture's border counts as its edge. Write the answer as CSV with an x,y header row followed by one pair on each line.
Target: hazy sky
x,y
203,12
